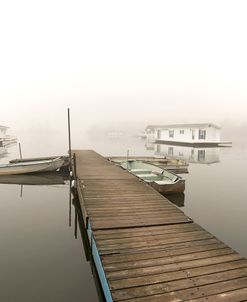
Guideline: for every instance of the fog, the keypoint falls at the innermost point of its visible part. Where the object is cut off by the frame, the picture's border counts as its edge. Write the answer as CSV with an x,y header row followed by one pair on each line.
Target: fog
x,y
122,64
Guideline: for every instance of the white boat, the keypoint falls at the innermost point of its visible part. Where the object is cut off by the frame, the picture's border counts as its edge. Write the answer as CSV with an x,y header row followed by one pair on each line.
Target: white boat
x,y
162,180
32,166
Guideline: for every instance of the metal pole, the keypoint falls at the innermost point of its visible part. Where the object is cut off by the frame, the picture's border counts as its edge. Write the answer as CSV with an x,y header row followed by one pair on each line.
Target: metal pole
x,y
20,151
70,181
76,216
21,190
74,164
70,164
127,160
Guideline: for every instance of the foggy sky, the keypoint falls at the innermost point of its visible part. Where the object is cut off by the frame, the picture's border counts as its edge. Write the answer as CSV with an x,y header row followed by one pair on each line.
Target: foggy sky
x,y
113,62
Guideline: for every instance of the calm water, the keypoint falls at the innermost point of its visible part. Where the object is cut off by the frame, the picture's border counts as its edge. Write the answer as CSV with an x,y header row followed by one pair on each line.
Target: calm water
x,y
41,260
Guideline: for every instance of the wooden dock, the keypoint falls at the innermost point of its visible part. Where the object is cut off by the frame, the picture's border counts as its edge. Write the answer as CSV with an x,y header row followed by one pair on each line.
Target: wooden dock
x,y
146,249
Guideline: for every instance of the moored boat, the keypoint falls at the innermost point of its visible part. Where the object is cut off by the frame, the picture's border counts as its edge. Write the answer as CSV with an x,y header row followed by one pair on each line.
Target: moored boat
x,y
162,180
32,166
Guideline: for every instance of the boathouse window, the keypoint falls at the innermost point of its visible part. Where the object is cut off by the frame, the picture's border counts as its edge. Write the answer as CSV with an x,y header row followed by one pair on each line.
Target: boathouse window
x,y
171,133
202,134
181,131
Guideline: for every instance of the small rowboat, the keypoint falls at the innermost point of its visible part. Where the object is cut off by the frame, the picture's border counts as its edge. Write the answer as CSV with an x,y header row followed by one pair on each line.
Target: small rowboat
x,y
162,180
32,166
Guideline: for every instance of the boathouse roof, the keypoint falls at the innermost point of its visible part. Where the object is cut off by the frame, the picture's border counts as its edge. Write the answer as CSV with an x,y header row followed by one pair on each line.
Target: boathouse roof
x,y
198,125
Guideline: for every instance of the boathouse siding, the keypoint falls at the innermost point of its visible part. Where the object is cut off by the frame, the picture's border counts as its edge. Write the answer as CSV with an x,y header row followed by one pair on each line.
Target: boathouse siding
x,y
186,133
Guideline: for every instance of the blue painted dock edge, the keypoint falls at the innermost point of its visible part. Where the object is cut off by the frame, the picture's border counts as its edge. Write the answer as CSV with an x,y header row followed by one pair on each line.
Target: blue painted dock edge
x,y
98,264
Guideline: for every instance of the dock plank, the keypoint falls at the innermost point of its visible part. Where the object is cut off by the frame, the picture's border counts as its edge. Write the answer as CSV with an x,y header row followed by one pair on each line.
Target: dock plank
x,y
176,275
181,284
196,292
130,265
150,270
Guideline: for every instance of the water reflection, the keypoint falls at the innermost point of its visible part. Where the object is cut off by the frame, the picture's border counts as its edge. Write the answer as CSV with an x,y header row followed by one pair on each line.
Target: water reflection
x,y
37,246
176,198
201,155
150,146
79,222
190,154
31,179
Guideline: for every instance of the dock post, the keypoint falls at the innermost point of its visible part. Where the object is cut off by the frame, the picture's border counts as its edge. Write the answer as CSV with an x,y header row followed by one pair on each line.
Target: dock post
x,y
74,164
20,151
70,164
70,197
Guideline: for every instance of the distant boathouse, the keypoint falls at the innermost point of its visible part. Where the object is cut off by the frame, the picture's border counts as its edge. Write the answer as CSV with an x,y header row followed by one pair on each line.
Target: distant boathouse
x,y
204,133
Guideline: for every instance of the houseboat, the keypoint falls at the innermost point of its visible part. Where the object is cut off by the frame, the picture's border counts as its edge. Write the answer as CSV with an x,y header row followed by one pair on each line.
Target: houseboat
x,y
187,134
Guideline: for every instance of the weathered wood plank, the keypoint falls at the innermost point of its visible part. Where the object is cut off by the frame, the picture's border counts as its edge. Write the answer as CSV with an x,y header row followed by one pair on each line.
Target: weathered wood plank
x,y
154,248
136,272
104,224
145,231
148,237
167,260
185,283
160,219
129,212
194,293
176,275
161,253
236,295
163,241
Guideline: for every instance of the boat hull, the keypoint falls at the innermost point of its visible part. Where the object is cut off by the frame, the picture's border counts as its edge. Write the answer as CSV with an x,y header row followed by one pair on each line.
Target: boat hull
x,y
177,187
32,167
